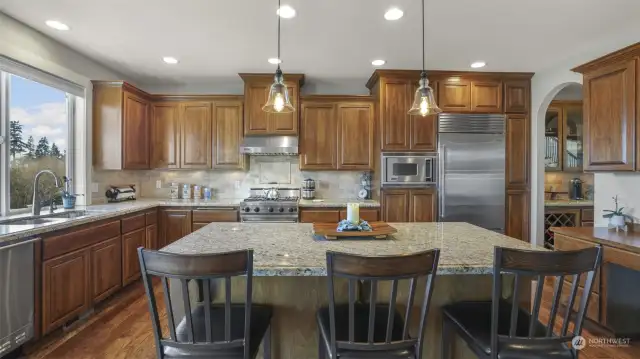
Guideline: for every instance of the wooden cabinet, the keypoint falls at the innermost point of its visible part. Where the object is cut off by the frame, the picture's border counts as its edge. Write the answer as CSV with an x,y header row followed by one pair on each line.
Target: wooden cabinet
x,y
121,136
395,100
66,288
174,224
517,151
564,136
409,205
105,269
367,214
202,217
337,133
318,137
455,95
130,243
486,96
424,133
517,210
195,135
334,215
517,96
611,113
482,95
227,135
151,235
165,135
256,93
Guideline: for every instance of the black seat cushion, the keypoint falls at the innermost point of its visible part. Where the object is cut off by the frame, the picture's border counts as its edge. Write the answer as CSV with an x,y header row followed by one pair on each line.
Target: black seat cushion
x,y
472,321
361,330
260,319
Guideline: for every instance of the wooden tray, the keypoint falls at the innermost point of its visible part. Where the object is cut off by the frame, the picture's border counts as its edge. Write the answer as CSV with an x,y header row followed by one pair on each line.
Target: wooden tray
x,y
328,231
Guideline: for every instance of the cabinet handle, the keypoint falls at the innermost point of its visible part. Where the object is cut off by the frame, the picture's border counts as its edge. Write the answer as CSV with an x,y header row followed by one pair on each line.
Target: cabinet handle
x,y
216,208
20,243
441,159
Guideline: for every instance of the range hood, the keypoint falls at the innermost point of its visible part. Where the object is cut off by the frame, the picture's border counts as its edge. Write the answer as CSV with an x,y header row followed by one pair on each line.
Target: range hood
x,y
270,146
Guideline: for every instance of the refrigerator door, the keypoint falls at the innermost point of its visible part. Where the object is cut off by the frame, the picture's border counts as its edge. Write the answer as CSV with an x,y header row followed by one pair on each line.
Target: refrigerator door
x,y
472,179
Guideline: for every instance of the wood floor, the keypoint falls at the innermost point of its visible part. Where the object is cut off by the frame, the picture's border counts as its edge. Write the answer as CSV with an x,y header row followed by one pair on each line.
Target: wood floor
x,y
122,329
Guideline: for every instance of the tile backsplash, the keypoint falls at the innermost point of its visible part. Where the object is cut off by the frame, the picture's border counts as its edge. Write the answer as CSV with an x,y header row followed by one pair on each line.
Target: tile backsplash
x,y
559,182
284,170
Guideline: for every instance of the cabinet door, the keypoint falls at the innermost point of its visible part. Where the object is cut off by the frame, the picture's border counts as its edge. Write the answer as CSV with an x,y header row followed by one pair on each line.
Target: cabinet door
x,y
284,123
65,288
610,117
151,241
517,152
424,133
455,95
135,132
174,224
227,135
195,119
309,215
318,137
395,97
105,268
130,264
165,136
553,129
422,205
486,96
355,136
367,214
572,152
395,205
518,214
255,120
516,96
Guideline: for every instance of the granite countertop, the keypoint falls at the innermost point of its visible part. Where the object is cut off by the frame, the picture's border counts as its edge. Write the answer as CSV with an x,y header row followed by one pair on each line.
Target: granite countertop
x,y
289,249
629,241
364,203
568,203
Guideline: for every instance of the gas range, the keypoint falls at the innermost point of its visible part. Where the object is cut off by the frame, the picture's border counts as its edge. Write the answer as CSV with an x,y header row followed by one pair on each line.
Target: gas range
x,y
258,208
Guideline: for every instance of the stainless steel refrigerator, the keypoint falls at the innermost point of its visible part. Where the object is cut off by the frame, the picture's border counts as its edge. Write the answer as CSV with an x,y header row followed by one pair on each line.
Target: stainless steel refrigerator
x,y
471,169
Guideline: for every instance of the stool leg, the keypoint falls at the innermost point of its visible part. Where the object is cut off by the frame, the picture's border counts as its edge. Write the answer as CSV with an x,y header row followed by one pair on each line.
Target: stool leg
x,y
267,343
322,353
447,339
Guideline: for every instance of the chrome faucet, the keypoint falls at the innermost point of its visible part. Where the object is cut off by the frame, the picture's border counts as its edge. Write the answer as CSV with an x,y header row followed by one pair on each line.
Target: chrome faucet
x,y
36,196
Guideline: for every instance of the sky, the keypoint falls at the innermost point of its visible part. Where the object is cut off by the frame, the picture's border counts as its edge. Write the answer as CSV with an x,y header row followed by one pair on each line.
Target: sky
x,y
41,109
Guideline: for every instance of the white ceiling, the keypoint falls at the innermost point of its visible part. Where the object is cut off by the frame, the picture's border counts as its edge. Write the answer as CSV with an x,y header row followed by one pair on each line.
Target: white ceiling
x,y
328,39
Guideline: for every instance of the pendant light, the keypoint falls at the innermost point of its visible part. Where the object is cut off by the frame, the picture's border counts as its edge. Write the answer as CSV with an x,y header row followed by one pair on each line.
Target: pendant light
x,y
424,103
278,101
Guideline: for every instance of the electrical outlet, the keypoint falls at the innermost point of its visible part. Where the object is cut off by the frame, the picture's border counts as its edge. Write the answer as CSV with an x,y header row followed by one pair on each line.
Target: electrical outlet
x,y
237,185
94,187
159,184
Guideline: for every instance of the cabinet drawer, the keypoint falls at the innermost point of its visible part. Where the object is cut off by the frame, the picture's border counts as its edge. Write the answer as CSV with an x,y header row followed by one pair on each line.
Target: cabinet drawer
x,y
587,215
564,243
215,215
78,237
621,258
593,310
151,217
133,222
196,225
319,216
367,214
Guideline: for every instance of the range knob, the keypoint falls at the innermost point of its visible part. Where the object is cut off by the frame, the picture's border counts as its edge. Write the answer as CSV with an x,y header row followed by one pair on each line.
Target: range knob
x,y
291,210
247,209
281,210
256,209
270,209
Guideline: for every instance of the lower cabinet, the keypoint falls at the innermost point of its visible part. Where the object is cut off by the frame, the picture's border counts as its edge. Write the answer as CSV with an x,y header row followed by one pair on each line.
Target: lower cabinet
x,y
174,224
105,268
130,243
202,217
517,219
151,232
334,215
409,205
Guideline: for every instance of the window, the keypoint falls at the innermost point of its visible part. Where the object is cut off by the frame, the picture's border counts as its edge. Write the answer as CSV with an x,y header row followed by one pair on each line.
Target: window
x,y
37,125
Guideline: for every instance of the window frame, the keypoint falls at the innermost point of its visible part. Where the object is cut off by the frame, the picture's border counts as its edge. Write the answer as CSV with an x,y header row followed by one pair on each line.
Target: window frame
x,y
5,118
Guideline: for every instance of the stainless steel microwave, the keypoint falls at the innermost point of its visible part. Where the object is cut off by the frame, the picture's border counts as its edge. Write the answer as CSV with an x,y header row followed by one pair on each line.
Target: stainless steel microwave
x,y
408,169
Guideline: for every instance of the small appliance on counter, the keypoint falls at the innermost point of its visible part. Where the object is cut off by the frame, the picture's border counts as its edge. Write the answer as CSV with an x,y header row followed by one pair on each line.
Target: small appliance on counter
x,y
575,189
308,189
121,193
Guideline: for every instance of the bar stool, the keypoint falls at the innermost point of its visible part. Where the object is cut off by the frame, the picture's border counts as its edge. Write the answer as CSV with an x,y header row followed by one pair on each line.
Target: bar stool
x,y
500,329
375,330
227,330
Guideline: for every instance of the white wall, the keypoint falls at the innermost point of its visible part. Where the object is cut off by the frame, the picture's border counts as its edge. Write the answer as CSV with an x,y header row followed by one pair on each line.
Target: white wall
x,y
26,45
545,85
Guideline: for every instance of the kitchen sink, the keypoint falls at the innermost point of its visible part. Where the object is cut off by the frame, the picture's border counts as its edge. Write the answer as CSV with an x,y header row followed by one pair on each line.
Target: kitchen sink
x,y
70,214
30,221
45,218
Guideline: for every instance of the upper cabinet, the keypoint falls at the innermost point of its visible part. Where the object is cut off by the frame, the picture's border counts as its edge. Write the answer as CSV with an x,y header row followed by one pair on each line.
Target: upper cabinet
x,y
256,92
516,96
337,133
120,126
457,94
611,103
195,135
564,136
227,134
165,135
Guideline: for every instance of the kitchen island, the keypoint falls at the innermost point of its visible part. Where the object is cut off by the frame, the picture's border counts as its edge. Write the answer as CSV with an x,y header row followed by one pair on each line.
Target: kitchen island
x,y
290,271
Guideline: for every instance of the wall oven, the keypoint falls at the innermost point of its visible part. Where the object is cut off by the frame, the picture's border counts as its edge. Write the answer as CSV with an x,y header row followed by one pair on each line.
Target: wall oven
x,y
408,169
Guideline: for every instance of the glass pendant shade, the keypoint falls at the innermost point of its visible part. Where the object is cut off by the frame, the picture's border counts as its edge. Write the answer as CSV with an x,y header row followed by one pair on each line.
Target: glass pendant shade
x,y
424,103
278,101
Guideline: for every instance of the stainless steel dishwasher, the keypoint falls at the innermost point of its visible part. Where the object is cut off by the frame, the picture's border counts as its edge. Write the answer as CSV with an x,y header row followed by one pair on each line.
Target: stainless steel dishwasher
x,y
16,294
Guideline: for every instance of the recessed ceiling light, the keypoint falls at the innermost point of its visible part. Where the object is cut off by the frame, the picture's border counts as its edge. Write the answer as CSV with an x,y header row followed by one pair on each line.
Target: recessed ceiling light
x,y
274,61
393,14
57,25
170,60
478,64
378,62
286,11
